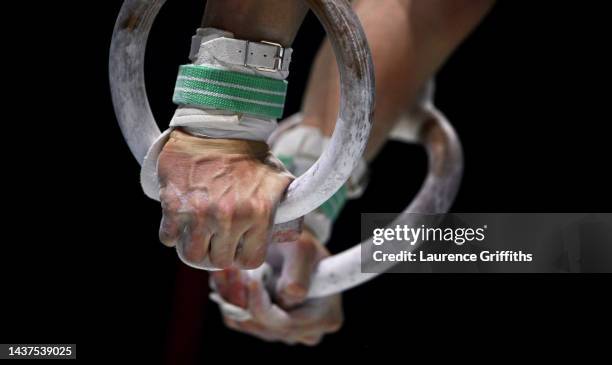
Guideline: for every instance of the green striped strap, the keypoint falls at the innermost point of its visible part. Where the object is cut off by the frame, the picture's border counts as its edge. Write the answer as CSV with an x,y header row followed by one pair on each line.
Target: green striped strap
x,y
333,206
228,90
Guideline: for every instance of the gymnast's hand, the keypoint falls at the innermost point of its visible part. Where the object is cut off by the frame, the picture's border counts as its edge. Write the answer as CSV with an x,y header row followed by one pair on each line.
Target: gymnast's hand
x,y
286,316
219,197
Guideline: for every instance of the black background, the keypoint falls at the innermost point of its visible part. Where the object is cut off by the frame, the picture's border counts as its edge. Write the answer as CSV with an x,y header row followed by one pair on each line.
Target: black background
x,y
81,263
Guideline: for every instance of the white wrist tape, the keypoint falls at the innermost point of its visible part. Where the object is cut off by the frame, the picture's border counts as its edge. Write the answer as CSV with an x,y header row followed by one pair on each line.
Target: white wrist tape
x,y
222,124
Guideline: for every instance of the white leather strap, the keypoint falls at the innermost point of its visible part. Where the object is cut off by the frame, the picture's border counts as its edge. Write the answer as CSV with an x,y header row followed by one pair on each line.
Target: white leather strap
x,y
263,56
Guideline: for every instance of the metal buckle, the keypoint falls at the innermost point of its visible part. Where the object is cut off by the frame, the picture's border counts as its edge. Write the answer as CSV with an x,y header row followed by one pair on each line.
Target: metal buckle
x,y
278,57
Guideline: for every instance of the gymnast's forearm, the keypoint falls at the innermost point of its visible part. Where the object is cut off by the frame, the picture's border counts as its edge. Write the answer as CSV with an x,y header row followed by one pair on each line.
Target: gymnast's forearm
x,y
409,40
256,20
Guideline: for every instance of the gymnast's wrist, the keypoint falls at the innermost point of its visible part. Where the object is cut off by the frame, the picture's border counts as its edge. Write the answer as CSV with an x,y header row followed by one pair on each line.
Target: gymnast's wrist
x,y
183,141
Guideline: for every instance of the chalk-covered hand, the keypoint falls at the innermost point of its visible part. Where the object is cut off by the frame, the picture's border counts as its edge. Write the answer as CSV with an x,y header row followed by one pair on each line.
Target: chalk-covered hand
x,y
219,198
285,316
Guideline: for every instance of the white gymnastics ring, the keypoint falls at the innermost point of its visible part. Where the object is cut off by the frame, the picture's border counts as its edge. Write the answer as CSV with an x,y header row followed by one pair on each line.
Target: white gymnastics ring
x,y
354,120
